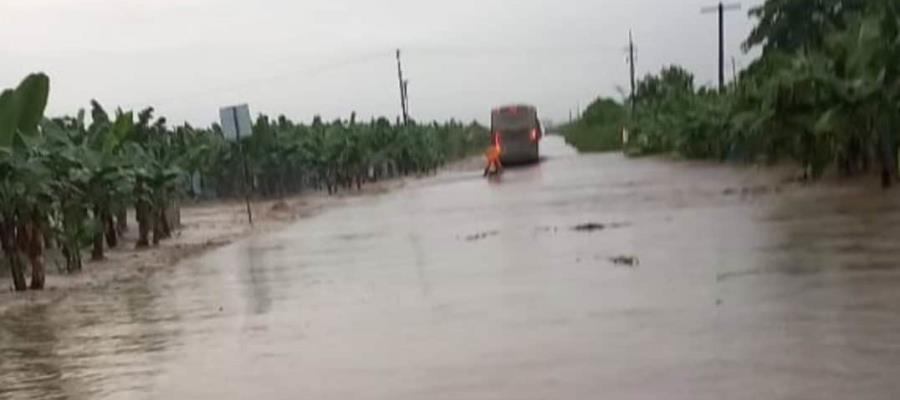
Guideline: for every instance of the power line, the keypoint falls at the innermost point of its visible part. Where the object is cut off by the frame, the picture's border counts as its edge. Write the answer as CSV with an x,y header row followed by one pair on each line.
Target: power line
x,y
519,50
307,72
444,51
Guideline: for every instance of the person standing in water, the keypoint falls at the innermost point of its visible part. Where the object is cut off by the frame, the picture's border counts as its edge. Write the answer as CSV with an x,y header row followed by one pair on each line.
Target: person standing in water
x,y
492,154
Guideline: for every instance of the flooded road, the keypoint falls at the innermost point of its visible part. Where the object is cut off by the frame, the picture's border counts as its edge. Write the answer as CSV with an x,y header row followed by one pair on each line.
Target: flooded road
x,y
691,281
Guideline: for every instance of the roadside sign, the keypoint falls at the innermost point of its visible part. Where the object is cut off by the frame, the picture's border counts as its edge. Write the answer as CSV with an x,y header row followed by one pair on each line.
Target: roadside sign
x,y
235,121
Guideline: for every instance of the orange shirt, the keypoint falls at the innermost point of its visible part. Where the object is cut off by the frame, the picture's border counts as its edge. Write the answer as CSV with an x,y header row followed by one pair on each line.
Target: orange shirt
x,y
492,153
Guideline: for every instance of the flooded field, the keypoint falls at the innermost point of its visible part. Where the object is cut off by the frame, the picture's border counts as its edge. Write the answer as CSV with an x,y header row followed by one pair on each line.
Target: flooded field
x,y
587,276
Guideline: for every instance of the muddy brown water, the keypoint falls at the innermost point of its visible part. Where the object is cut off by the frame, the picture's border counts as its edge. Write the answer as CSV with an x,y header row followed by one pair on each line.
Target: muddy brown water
x,y
746,288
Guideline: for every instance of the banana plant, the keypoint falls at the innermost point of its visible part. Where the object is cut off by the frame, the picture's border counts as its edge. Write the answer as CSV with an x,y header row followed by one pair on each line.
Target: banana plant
x,y
73,229
24,186
159,181
865,86
64,182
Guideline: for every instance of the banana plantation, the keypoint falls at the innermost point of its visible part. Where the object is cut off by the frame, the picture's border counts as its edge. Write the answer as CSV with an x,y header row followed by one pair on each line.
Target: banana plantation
x,y
68,186
825,93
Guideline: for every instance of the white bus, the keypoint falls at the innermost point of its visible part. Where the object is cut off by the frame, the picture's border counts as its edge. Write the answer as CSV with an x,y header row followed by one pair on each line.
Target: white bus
x,y
517,131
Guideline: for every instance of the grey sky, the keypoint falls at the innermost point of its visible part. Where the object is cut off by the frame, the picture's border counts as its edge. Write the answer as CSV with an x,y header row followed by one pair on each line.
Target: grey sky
x,y
331,57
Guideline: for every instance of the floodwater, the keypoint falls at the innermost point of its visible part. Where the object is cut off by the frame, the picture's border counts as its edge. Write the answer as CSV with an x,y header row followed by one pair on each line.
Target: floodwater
x,y
687,281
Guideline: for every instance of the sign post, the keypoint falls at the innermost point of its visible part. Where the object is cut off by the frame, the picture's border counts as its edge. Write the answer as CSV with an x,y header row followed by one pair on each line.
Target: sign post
x,y
236,120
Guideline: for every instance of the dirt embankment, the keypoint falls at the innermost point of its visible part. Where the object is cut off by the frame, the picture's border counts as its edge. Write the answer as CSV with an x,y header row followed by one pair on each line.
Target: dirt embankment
x,y
204,226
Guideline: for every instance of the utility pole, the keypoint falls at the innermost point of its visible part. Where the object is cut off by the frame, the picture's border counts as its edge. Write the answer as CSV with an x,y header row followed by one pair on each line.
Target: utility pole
x,y
733,70
721,8
406,98
631,67
403,84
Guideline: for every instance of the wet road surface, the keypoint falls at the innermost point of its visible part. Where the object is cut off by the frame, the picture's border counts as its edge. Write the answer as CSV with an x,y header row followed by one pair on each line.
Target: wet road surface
x,y
459,288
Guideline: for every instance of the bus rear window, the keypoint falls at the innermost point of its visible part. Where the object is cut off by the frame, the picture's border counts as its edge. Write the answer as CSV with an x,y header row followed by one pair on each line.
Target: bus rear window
x,y
513,118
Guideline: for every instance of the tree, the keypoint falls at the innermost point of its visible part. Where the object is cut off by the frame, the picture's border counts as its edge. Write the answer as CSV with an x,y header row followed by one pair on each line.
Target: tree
x,y
791,25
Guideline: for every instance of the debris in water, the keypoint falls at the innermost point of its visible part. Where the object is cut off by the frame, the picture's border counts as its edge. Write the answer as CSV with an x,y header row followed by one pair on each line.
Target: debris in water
x,y
594,226
630,261
481,236
356,236
280,206
758,190
755,190
589,227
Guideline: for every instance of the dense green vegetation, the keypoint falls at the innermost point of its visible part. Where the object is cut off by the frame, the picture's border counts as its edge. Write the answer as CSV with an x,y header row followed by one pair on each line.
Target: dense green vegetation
x,y
68,185
825,93
599,128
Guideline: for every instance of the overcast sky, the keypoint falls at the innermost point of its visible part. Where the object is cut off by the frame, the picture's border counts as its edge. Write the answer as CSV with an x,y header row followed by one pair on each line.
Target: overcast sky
x,y
331,57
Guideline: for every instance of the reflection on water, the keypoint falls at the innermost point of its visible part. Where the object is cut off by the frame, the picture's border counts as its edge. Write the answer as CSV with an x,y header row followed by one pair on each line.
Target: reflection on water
x,y
34,362
88,345
255,273
787,292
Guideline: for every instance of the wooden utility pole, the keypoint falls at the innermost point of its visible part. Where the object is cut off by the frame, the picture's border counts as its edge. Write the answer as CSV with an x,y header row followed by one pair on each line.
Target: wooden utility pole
x,y
631,67
406,98
403,100
733,69
721,8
